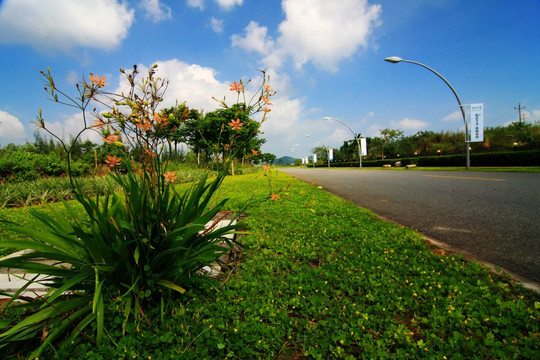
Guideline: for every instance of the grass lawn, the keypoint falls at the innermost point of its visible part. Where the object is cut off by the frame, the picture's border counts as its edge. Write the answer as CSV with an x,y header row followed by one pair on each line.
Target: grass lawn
x,y
320,278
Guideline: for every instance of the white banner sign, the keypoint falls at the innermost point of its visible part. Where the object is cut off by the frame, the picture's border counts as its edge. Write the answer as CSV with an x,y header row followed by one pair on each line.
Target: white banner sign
x,y
363,145
331,154
477,122
314,158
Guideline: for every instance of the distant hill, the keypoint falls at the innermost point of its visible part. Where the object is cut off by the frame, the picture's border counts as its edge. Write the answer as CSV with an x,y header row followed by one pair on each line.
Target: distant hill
x,y
284,160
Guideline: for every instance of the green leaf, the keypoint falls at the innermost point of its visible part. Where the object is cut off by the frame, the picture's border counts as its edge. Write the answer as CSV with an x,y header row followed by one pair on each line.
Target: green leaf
x,y
171,285
136,255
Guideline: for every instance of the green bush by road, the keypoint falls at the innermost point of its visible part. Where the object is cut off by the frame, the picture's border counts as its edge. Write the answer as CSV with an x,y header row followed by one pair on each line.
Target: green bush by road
x,y
320,278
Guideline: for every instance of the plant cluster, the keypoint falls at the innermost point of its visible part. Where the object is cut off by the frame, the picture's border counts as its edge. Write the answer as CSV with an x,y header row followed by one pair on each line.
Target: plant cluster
x,y
26,164
335,283
127,252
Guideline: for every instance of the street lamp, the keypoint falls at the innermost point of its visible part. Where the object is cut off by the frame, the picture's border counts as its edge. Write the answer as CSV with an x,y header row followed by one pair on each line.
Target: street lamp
x,y
396,59
356,136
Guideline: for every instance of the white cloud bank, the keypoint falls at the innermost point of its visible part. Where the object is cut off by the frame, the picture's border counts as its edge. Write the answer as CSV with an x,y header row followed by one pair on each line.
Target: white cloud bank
x,y
196,85
410,124
11,129
224,4
50,25
319,31
156,11
228,4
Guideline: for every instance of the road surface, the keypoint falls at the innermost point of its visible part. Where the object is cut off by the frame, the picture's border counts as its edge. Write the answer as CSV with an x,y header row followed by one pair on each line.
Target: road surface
x,y
493,216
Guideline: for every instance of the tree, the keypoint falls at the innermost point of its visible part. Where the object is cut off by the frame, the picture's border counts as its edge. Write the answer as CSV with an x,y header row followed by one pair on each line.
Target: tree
x,y
177,117
216,138
389,135
321,152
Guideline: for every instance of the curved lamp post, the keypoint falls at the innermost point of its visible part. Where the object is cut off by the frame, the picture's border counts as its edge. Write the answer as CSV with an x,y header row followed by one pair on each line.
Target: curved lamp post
x,y
396,59
354,134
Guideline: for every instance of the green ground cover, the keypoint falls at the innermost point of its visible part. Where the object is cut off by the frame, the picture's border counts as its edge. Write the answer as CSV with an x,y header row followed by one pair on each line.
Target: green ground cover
x,y
321,278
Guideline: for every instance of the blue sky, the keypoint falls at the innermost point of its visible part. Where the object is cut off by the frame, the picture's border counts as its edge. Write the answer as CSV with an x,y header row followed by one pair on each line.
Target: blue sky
x,y
325,59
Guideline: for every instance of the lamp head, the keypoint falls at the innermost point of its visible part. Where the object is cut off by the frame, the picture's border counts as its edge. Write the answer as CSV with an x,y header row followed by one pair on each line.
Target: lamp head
x,y
393,59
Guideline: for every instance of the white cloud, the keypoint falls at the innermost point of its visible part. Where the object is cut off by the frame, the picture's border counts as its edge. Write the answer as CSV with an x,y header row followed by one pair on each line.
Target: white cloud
x,y
196,4
156,10
455,116
228,4
284,118
409,124
373,130
255,39
11,129
337,138
196,85
216,25
50,25
70,126
324,32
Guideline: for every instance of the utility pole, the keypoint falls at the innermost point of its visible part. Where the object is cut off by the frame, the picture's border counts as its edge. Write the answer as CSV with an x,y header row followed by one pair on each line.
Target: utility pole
x,y
519,110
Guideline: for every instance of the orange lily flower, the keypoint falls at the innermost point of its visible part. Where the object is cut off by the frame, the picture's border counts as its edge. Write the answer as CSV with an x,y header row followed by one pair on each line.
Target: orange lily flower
x,y
145,126
274,197
266,110
268,88
113,161
111,138
159,119
150,153
266,101
266,167
237,87
236,124
255,152
96,80
226,146
170,176
99,124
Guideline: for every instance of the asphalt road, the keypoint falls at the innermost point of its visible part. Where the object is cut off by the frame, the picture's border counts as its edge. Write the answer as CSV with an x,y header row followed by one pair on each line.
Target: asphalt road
x,y
493,216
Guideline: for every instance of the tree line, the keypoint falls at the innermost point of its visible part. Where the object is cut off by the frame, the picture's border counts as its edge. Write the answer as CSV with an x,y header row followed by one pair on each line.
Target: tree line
x,y
207,136
393,144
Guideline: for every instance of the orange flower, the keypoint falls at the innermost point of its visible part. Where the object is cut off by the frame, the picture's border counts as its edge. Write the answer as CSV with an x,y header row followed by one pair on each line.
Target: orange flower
x,y
255,152
237,87
266,110
266,167
236,125
268,88
226,146
96,80
113,161
145,126
266,101
274,197
170,176
99,124
111,138
159,119
150,153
